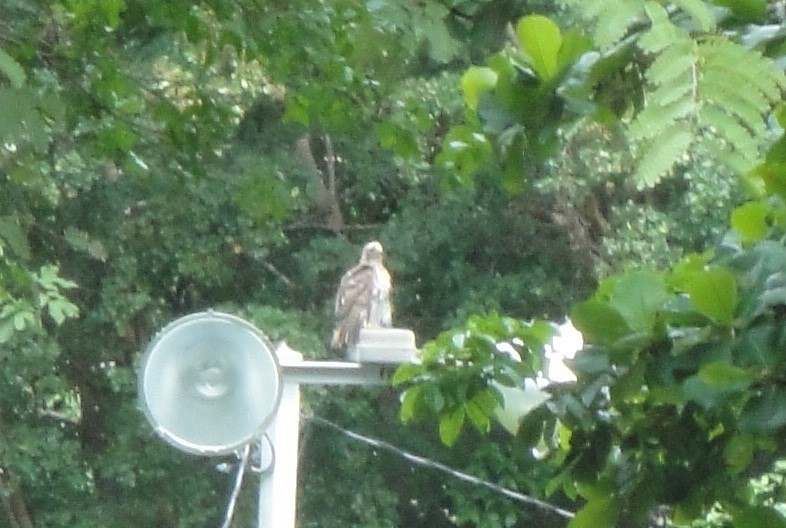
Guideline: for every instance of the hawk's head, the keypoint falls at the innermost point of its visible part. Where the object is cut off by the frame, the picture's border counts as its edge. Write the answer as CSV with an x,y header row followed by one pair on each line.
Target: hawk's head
x,y
372,252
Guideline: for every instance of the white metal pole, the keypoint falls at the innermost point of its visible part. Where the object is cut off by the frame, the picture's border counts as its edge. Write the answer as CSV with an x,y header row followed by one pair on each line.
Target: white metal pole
x,y
278,489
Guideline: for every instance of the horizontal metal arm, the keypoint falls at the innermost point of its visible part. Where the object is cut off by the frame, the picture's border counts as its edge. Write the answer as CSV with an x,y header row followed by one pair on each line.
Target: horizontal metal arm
x,y
335,372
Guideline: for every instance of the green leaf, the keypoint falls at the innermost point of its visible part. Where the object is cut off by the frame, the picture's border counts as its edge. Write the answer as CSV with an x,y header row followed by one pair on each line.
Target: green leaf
x,y
450,425
442,46
659,155
477,416
405,372
765,413
598,322
409,402
699,12
465,152
738,452
111,10
615,19
715,383
724,377
13,234
574,44
638,296
662,33
754,346
397,139
12,69
476,81
750,221
757,517
713,293
60,310
590,361
600,512
6,330
541,40
773,174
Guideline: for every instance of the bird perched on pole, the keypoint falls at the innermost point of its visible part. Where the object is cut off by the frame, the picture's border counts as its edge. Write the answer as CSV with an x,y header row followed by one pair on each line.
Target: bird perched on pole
x,y
363,298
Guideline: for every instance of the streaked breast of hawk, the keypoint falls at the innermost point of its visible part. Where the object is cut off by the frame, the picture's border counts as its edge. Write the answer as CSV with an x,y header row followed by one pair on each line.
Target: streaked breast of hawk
x,y
363,298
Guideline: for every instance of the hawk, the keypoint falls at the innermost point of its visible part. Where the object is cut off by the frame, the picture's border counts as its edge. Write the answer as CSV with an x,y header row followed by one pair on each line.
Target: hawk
x,y
363,298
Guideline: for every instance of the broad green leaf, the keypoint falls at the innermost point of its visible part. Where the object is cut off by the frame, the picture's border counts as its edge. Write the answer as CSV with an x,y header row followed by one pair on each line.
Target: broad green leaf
x,y
476,81
409,402
750,221
574,44
722,376
597,513
406,372
765,413
713,293
715,383
12,70
754,346
589,361
450,425
637,297
598,322
541,40
487,401
478,416
695,389
695,262
773,174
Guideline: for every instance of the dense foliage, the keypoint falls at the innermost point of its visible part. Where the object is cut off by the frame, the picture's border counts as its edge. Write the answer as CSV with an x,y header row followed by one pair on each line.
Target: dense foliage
x,y
159,158
678,394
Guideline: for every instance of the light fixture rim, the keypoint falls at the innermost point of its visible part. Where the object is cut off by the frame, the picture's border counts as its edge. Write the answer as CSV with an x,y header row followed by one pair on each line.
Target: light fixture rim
x,y
195,447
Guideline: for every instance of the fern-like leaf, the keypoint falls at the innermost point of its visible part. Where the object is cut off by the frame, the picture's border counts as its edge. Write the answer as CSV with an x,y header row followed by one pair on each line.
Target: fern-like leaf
x,y
713,91
656,120
659,155
674,61
669,92
724,92
700,88
744,66
662,33
699,11
611,20
725,125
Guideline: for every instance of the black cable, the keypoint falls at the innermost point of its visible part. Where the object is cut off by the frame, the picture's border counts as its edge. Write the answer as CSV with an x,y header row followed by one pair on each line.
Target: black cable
x,y
416,459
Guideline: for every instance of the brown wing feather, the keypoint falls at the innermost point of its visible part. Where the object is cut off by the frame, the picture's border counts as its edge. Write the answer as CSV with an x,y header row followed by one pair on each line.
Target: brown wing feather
x,y
353,301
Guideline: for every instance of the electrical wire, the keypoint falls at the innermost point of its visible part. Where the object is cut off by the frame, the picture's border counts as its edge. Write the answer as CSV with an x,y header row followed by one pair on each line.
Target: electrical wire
x,y
422,461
